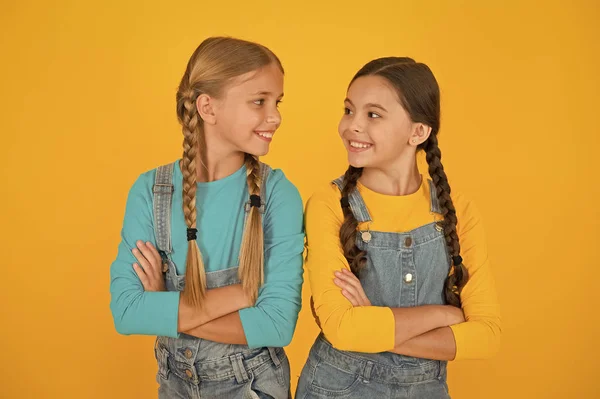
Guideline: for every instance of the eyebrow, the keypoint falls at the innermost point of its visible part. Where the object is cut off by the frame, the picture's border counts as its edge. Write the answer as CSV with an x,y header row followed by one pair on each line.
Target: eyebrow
x,y
369,105
265,93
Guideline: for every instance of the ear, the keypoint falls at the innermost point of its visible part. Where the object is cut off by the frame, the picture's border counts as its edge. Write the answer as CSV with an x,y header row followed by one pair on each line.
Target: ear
x,y
205,105
420,134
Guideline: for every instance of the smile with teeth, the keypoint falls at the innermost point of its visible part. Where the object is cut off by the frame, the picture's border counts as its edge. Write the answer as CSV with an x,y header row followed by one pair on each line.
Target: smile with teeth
x,y
357,144
266,135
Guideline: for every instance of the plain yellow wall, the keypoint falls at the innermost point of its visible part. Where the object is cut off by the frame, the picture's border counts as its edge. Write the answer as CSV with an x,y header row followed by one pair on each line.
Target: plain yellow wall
x,y
87,104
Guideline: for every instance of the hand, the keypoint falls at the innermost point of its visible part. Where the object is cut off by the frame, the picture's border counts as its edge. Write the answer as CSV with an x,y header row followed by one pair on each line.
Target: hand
x,y
454,315
149,268
351,288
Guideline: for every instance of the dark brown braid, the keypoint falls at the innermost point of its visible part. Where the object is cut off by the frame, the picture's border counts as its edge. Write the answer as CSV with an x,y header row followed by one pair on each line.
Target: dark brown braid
x,y
458,278
356,258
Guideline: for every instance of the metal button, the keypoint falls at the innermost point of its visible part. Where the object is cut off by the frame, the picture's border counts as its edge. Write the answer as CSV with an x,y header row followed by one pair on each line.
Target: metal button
x,y
407,242
165,267
188,353
439,226
366,236
408,277
188,373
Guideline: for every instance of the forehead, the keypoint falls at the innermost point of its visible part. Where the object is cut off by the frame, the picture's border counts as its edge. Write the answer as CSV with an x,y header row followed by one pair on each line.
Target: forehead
x,y
266,79
372,89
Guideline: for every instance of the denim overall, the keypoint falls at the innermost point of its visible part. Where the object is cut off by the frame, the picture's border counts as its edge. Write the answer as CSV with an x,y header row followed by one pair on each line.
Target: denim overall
x,y
191,367
402,270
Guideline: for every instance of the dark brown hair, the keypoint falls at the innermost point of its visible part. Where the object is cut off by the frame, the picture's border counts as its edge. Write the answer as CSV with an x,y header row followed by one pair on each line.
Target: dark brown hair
x,y
419,94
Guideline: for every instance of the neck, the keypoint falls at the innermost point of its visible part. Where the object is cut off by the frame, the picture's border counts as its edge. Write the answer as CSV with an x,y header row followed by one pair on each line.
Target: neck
x,y
400,178
217,160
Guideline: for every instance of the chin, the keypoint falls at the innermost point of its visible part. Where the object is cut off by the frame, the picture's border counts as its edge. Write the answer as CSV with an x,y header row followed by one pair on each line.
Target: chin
x,y
357,162
257,151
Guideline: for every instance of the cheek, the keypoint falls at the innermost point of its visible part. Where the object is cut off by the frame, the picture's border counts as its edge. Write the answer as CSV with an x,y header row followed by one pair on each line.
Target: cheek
x,y
387,140
253,117
244,120
342,126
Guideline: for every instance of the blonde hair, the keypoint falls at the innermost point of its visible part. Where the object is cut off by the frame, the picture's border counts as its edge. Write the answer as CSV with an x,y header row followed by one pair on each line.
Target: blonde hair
x,y
214,63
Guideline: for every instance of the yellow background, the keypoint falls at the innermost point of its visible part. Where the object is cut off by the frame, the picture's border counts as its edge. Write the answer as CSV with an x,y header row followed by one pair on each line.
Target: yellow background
x,y
87,104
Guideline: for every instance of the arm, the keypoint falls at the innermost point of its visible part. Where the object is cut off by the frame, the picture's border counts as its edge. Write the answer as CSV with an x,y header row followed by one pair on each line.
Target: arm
x,y
436,344
136,311
479,337
227,330
217,303
408,320
272,321
363,328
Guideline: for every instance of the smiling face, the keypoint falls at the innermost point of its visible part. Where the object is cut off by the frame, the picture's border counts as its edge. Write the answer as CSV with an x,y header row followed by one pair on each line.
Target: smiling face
x,y
246,116
375,129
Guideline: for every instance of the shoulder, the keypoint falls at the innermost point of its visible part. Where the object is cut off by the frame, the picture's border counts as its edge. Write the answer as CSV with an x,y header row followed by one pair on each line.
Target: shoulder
x,y
325,201
279,187
143,185
467,213
282,196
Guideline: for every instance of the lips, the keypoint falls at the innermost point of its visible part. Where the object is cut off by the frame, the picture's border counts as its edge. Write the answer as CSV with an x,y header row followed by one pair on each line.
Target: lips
x,y
358,146
266,135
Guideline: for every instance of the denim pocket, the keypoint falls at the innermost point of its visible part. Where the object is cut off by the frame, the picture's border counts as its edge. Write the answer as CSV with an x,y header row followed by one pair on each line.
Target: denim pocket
x,y
331,381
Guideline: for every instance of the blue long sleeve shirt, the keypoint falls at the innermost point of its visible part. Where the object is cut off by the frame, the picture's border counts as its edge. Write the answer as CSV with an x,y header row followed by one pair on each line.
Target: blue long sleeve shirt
x,y
220,210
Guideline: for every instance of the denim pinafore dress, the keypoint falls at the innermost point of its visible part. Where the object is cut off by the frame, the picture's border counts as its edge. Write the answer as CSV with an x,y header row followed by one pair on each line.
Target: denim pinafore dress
x,y
402,270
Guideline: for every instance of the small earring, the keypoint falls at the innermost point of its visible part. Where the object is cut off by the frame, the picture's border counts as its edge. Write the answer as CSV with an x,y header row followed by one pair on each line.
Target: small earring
x,y
414,140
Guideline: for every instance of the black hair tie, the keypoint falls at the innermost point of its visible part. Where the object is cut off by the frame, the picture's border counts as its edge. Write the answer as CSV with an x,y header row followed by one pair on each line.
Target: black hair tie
x,y
255,201
345,202
457,260
191,234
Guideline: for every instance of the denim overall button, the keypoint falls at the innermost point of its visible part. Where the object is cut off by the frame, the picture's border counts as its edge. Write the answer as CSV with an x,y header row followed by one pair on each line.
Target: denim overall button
x,y
366,236
188,373
407,242
408,277
188,353
439,226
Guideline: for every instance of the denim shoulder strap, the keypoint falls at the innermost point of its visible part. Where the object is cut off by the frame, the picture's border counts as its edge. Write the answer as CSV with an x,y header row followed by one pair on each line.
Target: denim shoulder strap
x,y
357,204
163,196
435,204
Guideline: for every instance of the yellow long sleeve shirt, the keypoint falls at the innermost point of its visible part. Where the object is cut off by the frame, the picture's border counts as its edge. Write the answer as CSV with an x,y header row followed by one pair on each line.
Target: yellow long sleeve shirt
x,y
372,328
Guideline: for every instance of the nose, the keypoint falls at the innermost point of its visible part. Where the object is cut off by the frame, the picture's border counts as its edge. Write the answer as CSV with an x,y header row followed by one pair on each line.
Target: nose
x,y
356,125
274,117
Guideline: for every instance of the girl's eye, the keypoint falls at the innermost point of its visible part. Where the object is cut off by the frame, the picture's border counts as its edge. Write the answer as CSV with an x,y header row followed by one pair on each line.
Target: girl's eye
x,y
373,115
347,111
259,102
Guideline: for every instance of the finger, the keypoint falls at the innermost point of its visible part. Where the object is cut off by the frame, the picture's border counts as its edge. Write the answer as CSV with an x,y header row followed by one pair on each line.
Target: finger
x,y
141,275
350,297
142,261
352,279
348,291
340,283
155,266
345,285
349,275
154,252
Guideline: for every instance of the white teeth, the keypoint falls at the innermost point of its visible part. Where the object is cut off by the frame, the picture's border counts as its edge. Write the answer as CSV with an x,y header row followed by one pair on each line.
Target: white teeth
x,y
359,145
265,135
